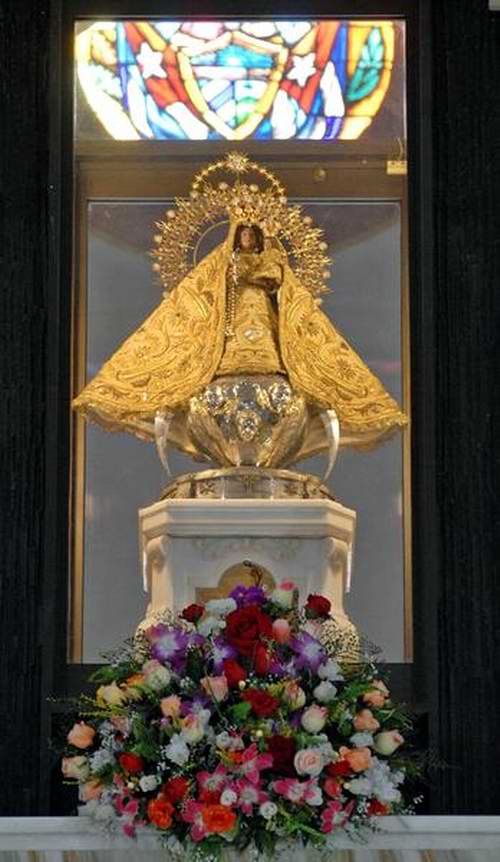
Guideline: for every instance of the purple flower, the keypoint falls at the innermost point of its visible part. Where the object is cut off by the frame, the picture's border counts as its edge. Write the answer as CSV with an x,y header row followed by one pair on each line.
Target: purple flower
x,y
200,701
244,596
168,644
309,651
220,652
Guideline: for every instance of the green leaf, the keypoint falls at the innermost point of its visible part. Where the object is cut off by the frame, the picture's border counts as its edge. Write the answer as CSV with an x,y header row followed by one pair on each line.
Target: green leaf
x,y
240,711
369,67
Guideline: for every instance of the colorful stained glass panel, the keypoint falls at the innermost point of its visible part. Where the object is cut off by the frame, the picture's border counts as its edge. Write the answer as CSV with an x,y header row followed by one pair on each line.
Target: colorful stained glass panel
x,y
233,80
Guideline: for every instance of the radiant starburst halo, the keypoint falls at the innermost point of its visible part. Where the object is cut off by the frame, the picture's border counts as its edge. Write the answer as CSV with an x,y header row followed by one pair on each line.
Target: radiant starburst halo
x,y
237,162
210,203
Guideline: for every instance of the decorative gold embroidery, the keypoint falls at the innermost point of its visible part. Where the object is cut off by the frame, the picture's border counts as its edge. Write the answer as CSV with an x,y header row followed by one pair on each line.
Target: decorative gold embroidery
x,y
184,344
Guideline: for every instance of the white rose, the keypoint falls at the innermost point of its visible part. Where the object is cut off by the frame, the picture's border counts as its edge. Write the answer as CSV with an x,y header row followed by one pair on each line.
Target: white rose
x,y
177,750
283,596
387,742
267,810
330,670
325,692
156,675
193,728
149,782
314,719
228,797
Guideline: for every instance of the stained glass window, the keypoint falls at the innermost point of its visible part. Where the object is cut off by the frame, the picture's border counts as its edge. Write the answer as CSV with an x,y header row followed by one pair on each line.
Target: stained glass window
x,y
234,80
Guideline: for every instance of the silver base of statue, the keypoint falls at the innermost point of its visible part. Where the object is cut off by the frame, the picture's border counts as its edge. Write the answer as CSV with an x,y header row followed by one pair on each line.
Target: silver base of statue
x,y
254,419
240,483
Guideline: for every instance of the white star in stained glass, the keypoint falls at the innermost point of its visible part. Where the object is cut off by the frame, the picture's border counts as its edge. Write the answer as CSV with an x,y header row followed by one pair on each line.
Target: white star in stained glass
x,y
302,69
150,62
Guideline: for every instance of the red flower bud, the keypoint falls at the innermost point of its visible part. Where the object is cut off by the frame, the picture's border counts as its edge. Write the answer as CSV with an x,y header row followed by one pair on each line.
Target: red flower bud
x,y
131,762
261,660
341,767
193,613
233,672
318,606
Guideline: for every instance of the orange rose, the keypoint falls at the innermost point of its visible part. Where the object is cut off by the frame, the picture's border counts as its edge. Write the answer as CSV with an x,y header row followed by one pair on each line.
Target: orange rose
x,y
365,720
378,695
218,818
81,735
90,790
131,686
357,758
160,812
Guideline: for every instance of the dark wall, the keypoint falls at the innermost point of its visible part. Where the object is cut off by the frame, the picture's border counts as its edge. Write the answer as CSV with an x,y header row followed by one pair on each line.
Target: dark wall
x,y
457,589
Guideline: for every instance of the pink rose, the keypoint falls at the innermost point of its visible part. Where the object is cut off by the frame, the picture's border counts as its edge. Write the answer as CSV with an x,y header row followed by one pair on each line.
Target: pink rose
x,y
309,761
121,723
90,790
314,719
170,706
378,695
281,631
215,686
294,695
365,720
193,728
81,735
387,742
75,767
358,759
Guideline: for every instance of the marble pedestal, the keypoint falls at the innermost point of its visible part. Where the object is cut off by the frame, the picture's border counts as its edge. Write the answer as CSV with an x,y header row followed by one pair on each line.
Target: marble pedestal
x,y
190,547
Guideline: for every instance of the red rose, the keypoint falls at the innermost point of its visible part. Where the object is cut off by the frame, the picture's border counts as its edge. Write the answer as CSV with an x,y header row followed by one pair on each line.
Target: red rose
x,y
131,762
261,660
318,606
262,703
175,789
246,627
377,809
233,672
340,768
160,813
193,613
332,787
283,750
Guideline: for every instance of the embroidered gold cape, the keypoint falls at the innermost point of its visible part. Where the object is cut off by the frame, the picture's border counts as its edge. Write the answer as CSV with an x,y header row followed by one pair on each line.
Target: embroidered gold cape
x,y
178,350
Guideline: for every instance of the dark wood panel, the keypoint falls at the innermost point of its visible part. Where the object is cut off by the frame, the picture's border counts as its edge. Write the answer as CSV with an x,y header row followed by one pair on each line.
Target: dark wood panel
x,y
466,188
23,320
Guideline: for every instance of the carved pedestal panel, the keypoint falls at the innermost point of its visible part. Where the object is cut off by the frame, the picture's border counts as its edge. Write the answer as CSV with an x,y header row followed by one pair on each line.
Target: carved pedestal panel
x,y
194,549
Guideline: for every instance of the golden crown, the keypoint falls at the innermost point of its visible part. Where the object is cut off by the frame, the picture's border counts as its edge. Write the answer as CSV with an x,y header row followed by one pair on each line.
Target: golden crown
x,y
210,204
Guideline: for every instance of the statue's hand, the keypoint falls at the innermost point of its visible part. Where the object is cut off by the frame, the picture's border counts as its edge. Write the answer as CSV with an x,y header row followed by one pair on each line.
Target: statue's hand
x,y
270,284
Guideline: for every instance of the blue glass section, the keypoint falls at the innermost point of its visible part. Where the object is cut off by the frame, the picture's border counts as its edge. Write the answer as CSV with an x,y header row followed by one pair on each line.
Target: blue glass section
x,y
305,130
264,131
339,55
204,59
123,50
235,55
163,125
221,98
317,106
333,126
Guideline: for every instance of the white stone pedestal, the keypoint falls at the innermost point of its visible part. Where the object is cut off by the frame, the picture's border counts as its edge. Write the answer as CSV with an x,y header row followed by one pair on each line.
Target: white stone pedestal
x,y
188,546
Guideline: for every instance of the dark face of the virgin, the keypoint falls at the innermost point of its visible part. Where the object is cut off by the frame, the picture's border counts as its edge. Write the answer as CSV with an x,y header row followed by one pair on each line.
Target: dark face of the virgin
x,y
248,240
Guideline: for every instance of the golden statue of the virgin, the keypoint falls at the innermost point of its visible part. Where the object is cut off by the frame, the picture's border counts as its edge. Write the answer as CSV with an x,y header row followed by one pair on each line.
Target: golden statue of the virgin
x,y
238,359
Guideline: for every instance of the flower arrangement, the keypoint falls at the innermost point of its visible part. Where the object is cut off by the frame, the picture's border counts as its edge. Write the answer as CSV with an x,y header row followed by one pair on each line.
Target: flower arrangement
x,y
233,724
